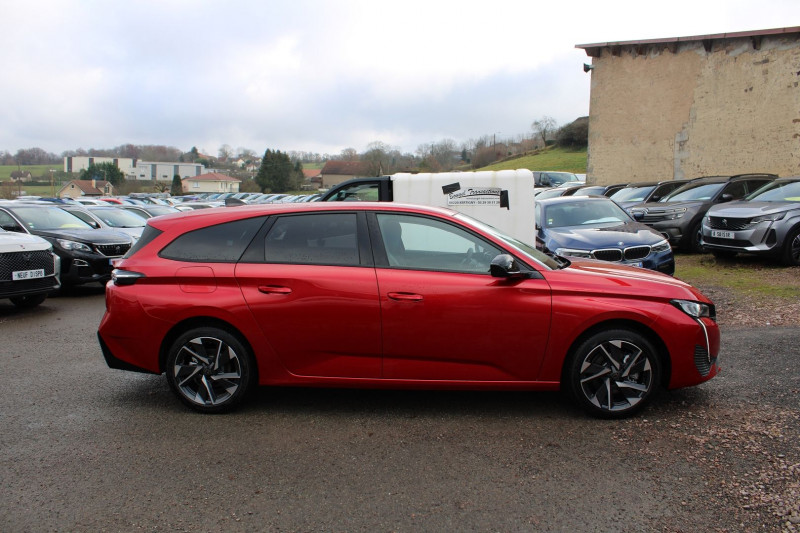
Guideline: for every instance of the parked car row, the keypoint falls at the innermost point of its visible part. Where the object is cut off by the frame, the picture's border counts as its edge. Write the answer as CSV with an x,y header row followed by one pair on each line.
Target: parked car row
x,y
85,241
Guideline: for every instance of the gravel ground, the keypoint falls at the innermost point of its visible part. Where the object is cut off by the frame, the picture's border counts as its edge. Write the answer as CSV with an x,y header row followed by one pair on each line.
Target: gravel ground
x,y
751,452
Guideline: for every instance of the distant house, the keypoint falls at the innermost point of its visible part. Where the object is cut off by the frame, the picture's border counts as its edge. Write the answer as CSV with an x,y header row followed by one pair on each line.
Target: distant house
x,y
312,178
21,175
335,172
212,182
78,188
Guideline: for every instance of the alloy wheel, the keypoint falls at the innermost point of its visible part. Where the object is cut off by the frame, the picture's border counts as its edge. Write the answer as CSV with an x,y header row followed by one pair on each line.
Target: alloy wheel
x,y
207,371
615,376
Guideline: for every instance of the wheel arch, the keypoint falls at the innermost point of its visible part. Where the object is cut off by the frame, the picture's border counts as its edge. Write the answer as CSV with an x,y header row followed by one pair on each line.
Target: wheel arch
x,y
202,322
621,323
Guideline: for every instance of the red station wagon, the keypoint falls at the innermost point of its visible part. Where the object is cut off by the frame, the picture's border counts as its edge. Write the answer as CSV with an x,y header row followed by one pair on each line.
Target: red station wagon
x,y
393,296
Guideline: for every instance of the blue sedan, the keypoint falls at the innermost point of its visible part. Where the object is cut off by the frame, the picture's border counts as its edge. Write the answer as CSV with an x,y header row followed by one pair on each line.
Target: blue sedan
x,y
597,228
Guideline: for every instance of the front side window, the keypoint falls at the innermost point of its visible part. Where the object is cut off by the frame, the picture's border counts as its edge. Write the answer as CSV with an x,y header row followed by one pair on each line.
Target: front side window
x,y
221,243
314,239
426,244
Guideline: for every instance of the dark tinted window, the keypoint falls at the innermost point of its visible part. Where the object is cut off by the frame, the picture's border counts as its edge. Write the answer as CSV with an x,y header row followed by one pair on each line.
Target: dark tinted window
x,y
223,243
326,239
148,234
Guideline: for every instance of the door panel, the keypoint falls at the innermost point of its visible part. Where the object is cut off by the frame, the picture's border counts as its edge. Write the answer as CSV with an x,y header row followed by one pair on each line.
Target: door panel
x,y
454,326
320,320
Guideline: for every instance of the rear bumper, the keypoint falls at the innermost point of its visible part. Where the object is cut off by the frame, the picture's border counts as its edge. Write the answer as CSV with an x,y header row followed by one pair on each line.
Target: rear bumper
x,y
116,363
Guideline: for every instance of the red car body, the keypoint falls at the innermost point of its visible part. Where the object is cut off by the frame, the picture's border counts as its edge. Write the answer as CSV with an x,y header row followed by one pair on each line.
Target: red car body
x,y
374,325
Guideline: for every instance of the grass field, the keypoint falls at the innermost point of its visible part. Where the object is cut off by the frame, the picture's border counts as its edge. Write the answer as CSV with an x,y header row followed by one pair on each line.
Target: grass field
x,y
36,171
549,159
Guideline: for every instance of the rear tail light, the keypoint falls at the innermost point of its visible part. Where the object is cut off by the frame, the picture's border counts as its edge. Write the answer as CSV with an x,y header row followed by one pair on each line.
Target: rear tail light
x,y
125,277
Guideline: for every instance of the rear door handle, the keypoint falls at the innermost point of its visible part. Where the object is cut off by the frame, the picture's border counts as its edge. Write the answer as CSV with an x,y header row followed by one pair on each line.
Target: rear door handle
x,y
405,297
274,289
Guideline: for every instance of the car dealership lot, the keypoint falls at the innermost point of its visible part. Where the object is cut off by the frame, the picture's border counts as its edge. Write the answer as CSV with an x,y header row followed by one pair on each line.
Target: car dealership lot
x,y
91,448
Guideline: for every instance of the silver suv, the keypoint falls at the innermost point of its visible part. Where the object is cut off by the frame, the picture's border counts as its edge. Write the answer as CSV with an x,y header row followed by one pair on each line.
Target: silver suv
x,y
767,223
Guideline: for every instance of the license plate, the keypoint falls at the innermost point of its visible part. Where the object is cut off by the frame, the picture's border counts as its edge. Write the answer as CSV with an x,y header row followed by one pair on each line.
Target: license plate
x,y
722,234
27,274
635,264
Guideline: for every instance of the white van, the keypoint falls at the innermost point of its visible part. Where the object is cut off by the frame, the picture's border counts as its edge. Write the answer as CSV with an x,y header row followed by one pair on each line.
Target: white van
x,y
502,198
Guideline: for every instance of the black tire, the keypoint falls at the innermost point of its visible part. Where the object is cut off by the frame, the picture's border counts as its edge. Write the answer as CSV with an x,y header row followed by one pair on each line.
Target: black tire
x,y
28,301
210,370
791,249
613,373
696,238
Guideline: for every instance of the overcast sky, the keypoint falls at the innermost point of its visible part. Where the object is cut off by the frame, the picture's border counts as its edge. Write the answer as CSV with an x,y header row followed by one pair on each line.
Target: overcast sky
x,y
317,76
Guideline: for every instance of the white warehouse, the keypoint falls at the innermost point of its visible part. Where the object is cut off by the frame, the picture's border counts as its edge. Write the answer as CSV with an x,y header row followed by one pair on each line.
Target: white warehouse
x,y
137,170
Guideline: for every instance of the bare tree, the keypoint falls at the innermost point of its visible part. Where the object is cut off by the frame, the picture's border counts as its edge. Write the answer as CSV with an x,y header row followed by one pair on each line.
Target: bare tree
x,y
349,154
543,127
225,152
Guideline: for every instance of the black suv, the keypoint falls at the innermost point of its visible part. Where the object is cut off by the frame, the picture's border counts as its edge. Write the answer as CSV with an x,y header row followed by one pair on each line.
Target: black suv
x,y
85,253
679,215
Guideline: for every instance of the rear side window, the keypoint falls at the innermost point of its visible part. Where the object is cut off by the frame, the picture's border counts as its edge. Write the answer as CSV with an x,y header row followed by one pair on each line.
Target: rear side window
x,y
222,243
148,234
323,239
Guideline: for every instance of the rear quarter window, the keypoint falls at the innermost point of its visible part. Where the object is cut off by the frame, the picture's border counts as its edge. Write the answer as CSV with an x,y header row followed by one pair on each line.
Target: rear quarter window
x,y
221,243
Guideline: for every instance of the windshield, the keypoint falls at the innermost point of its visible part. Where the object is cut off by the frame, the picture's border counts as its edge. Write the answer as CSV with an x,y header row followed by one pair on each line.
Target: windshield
x,y
527,249
591,213
632,194
119,218
49,218
694,191
777,191
559,178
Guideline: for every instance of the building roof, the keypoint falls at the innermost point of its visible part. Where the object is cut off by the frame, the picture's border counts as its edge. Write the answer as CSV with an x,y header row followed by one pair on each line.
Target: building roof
x,y
90,187
311,172
212,176
593,50
348,168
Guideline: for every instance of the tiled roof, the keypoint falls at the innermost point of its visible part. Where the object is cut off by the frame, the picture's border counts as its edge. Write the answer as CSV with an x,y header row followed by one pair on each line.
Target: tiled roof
x,y
87,188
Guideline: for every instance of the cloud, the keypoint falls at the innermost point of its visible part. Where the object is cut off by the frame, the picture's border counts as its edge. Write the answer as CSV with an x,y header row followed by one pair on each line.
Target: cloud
x,y
313,75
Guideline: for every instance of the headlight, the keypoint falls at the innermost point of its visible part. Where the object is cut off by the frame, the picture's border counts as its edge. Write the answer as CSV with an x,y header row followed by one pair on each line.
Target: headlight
x,y
772,218
662,246
72,245
695,309
574,253
672,215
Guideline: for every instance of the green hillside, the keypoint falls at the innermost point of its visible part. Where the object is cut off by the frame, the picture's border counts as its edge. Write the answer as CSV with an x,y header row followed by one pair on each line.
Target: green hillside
x,y
548,159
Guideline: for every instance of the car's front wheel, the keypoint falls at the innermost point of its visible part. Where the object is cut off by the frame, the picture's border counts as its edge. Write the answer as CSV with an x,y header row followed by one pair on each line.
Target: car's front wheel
x,y
28,301
613,373
791,254
210,369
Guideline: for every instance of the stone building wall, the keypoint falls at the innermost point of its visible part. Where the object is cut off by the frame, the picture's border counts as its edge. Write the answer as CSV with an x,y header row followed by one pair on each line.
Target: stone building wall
x,y
684,109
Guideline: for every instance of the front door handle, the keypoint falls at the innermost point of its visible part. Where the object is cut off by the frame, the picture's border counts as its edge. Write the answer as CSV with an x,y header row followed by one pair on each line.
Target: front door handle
x,y
274,289
405,297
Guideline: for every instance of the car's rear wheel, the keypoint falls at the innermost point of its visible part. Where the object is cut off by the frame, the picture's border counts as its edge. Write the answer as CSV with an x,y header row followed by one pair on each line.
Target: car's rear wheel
x,y
791,252
613,373
210,369
28,301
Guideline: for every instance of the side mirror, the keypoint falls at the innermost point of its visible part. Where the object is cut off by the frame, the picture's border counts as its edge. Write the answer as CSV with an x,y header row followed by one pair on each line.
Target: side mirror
x,y
505,266
654,198
727,197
